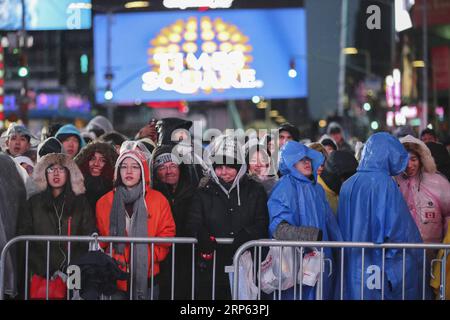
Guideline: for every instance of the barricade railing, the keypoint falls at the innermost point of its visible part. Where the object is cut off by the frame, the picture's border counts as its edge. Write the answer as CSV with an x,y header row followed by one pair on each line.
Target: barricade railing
x,y
93,242
340,249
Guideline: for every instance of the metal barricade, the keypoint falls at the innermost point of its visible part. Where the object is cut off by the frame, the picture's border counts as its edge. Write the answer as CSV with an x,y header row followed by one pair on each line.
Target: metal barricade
x,y
93,243
341,249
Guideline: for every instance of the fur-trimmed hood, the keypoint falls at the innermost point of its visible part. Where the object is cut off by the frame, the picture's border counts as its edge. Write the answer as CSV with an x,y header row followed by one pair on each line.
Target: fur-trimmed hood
x,y
104,148
422,150
76,177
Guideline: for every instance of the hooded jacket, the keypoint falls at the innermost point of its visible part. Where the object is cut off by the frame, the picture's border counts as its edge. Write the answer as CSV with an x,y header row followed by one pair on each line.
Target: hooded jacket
x,y
339,166
293,131
12,199
441,158
46,215
301,202
160,222
372,209
237,211
427,194
99,124
97,186
70,130
165,127
18,129
180,202
49,145
344,146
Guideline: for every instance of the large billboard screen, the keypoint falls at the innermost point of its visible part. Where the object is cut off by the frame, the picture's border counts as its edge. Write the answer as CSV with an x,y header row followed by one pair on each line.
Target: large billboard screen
x,y
210,55
46,14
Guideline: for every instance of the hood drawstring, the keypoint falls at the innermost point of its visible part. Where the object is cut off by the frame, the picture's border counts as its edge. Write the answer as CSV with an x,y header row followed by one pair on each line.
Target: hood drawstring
x,y
238,194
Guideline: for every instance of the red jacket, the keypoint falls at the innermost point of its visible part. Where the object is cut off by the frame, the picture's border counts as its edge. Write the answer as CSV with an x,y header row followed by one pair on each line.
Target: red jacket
x,y
160,223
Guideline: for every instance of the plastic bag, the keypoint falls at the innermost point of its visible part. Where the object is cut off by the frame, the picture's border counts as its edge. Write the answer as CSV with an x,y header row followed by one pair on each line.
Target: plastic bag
x,y
56,287
311,268
247,290
270,269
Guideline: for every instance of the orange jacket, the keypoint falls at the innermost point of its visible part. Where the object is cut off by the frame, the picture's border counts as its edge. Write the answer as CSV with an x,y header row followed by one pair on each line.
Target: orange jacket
x,y
160,223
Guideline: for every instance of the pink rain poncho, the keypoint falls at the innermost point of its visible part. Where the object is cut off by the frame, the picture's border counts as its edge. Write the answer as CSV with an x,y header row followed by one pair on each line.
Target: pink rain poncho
x,y
427,195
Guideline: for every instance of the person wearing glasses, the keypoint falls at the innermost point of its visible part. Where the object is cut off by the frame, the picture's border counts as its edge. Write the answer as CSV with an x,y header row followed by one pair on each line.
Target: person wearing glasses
x,y
133,209
171,178
59,209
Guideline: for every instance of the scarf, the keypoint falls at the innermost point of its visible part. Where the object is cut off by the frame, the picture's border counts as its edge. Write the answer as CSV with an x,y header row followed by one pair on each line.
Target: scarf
x,y
138,228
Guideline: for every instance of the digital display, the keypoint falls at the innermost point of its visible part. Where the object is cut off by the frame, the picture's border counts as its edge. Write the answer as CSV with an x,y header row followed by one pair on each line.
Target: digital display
x,y
46,14
211,55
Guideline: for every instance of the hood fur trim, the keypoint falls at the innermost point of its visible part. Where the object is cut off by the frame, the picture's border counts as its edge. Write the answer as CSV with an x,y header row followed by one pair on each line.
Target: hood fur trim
x,y
76,178
421,148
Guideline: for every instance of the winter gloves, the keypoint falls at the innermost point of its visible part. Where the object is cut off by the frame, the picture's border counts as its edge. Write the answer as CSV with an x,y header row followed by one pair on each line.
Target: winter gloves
x,y
285,231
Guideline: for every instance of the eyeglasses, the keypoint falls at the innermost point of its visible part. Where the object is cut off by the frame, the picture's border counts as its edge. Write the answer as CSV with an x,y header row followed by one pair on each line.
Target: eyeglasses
x,y
132,168
56,169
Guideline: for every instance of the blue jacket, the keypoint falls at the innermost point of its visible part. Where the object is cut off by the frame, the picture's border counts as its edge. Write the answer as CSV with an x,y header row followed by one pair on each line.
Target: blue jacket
x,y
70,129
302,202
372,209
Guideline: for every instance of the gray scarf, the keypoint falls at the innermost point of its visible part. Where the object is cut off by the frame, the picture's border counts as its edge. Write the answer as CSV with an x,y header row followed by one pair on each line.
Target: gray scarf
x,y
138,228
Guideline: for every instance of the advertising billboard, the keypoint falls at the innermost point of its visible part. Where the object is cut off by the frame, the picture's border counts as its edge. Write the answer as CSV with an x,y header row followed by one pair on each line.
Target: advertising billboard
x,y
46,14
210,55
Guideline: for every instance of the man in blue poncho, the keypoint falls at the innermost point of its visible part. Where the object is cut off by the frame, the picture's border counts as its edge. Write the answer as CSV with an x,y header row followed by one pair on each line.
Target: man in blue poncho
x,y
372,209
299,211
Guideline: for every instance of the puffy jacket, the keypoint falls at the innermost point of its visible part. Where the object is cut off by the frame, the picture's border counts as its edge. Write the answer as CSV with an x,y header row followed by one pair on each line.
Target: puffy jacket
x,y
214,213
160,222
372,209
300,201
238,212
428,200
46,215
427,194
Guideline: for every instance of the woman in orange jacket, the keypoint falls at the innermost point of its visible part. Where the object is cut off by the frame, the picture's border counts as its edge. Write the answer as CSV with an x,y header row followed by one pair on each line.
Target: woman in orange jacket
x,y
133,209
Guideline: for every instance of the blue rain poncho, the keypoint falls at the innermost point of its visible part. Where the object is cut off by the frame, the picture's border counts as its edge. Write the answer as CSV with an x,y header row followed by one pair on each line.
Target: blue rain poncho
x,y
372,209
301,202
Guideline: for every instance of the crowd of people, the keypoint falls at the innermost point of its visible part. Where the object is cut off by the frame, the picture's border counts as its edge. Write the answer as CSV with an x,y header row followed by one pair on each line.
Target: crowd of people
x,y
394,188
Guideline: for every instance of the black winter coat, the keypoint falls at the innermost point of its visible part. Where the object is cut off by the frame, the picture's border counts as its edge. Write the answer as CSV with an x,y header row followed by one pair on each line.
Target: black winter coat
x,y
213,213
41,218
180,203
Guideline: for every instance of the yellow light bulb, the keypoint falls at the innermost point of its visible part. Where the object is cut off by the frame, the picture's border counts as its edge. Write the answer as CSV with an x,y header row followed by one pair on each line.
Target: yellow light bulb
x,y
226,47
190,36
207,35
223,36
209,47
173,48
190,47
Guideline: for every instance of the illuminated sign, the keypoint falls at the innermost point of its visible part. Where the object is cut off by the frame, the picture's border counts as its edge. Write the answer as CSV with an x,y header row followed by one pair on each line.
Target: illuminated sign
x,y
50,102
221,70
183,4
217,55
46,15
